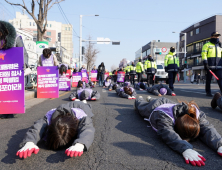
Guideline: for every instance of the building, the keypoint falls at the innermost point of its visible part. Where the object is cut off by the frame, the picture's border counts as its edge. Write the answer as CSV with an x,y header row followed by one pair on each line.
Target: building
x,y
55,31
196,36
152,47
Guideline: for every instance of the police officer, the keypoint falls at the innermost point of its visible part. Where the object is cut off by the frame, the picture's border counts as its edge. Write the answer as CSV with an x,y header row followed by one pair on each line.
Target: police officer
x,y
150,67
132,73
211,56
172,65
127,71
139,70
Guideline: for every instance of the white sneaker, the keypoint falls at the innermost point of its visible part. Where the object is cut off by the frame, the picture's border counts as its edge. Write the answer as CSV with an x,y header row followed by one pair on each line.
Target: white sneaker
x,y
133,97
148,99
140,97
129,97
77,100
84,101
141,89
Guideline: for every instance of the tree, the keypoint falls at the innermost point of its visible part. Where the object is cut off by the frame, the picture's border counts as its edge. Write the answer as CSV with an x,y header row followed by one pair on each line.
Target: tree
x,y
44,7
90,54
113,67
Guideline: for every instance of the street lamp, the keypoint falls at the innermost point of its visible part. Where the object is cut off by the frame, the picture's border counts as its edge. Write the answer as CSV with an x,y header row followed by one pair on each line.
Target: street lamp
x,y
185,53
80,37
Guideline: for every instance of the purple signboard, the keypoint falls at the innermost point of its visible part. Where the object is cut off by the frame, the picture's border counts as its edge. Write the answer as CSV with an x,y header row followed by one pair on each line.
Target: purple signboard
x,y
75,78
94,75
12,92
120,76
84,76
65,82
48,82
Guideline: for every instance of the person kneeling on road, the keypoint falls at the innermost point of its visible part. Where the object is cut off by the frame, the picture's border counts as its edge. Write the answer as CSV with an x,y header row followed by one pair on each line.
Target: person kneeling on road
x,y
68,126
160,89
84,94
107,82
126,92
82,85
140,86
179,123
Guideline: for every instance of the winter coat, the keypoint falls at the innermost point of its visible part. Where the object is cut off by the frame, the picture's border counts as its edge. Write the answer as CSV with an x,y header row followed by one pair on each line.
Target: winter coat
x,y
156,88
192,78
165,125
111,86
138,86
85,128
14,40
101,71
94,94
120,92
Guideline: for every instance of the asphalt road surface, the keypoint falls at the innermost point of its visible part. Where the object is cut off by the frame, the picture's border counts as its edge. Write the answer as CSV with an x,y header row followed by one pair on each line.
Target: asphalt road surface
x,y
122,138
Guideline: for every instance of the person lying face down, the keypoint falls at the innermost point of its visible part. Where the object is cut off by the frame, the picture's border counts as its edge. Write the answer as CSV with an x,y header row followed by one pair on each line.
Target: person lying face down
x,y
160,89
68,126
113,86
179,123
82,85
126,92
84,94
140,86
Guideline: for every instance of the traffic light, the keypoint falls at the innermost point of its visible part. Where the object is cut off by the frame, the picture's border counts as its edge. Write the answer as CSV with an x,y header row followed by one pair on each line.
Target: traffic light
x,y
158,53
83,50
115,42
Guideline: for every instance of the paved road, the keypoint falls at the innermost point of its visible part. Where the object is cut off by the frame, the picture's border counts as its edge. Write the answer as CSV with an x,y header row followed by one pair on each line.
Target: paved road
x,y
122,138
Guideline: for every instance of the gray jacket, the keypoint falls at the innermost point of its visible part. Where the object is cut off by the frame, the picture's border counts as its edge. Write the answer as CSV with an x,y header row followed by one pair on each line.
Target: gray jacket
x,y
156,88
123,94
95,94
19,43
85,128
165,125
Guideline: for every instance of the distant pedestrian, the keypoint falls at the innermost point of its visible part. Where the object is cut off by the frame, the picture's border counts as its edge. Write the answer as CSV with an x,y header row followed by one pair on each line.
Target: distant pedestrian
x,y
139,70
198,79
94,69
100,74
192,78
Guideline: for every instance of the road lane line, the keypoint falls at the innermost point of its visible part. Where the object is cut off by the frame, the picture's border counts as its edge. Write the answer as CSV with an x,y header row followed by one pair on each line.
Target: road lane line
x,y
60,95
192,91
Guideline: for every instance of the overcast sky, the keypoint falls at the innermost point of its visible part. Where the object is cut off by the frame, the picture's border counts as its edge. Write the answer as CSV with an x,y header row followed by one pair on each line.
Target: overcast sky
x,y
133,22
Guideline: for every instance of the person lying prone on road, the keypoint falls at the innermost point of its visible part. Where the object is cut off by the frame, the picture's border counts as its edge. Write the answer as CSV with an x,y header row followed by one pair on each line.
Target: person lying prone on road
x,y
84,94
179,123
126,92
113,86
160,89
68,126
140,86
82,85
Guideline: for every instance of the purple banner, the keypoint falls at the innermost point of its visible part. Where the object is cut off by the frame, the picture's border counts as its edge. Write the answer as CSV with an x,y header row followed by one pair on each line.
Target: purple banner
x,y
120,76
64,82
94,75
84,76
75,78
48,82
12,92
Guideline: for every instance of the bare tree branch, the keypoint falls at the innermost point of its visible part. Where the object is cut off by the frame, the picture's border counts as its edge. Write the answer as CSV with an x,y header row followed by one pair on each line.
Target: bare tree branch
x,y
55,3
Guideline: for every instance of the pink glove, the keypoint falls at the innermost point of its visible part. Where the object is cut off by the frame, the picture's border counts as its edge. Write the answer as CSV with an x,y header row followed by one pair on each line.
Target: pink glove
x,y
219,151
27,150
193,157
76,150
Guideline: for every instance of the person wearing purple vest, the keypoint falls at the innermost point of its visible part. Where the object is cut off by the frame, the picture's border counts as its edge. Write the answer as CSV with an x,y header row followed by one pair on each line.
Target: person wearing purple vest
x,y
84,94
107,82
126,92
155,89
48,59
113,86
178,123
68,126
140,86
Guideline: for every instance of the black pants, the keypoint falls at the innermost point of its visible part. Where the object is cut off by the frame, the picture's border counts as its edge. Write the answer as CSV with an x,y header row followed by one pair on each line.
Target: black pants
x,y
139,77
126,78
150,79
218,73
172,76
114,78
132,78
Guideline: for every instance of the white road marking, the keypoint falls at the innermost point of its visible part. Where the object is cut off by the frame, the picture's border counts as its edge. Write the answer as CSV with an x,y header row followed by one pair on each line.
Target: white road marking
x,y
192,91
103,90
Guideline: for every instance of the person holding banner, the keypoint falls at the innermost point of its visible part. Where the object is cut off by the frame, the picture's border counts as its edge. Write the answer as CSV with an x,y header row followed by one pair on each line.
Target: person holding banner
x,y
212,60
140,86
84,94
94,70
126,92
100,74
69,125
48,59
160,89
120,76
179,123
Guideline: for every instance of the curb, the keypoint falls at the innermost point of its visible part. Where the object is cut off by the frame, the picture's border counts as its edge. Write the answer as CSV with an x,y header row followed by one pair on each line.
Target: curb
x,y
30,94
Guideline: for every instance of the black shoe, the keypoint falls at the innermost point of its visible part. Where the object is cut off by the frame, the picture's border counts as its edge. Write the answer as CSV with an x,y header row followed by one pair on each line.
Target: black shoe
x,y
6,116
209,94
214,100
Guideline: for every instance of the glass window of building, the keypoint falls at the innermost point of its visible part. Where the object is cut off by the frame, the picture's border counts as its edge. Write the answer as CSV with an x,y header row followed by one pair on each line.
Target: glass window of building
x,y
50,25
191,33
182,38
69,28
33,24
30,24
197,31
48,33
66,28
47,25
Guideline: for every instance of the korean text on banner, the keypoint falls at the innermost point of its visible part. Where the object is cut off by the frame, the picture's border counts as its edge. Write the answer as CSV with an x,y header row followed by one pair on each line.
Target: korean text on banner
x,y
12,92
106,75
75,78
47,82
65,82
120,76
84,75
94,75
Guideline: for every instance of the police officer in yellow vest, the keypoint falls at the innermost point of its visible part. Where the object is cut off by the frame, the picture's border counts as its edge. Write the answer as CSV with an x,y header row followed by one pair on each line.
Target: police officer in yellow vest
x,y
127,71
211,56
132,73
150,67
172,65
139,70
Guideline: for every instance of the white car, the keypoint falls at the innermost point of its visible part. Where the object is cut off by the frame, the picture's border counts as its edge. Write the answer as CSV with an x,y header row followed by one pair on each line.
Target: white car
x,y
161,75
